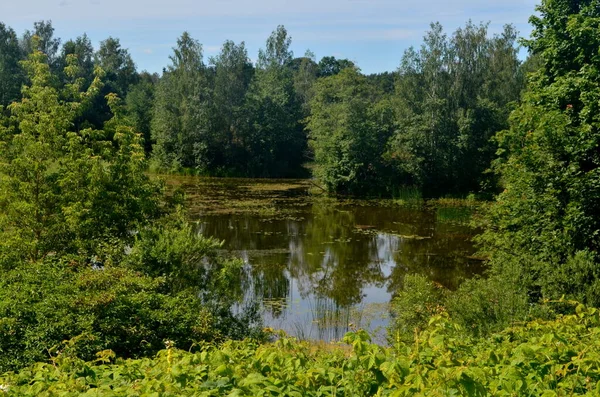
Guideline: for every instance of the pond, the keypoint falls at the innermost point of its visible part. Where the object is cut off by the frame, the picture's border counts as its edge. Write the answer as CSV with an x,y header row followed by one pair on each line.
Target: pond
x,y
321,266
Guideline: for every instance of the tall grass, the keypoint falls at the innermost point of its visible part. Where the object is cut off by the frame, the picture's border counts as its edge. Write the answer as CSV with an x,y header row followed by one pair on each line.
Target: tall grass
x,y
408,196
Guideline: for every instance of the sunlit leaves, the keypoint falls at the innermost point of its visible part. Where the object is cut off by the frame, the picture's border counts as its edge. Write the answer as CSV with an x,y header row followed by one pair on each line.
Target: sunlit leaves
x,y
539,358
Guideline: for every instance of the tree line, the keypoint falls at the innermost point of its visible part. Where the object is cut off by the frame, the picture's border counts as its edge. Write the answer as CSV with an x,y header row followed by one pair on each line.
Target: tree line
x,y
427,125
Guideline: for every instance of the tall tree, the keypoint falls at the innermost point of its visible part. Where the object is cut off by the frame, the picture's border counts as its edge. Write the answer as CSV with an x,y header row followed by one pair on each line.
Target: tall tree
x,y
83,51
11,73
139,104
179,125
61,190
276,141
452,96
349,127
330,65
277,51
305,75
120,75
233,74
118,65
45,42
544,227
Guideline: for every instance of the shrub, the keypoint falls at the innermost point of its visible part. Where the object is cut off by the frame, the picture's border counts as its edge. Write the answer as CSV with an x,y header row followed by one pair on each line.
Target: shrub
x,y
413,306
541,358
46,303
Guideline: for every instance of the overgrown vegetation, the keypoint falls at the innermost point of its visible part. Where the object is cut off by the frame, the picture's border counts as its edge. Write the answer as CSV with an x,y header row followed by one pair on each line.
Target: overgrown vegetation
x,y
92,250
541,358
541,234
96,257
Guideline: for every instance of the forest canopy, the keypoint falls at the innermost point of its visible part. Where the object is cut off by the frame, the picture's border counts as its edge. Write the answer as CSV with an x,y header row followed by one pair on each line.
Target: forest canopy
x,y
427,125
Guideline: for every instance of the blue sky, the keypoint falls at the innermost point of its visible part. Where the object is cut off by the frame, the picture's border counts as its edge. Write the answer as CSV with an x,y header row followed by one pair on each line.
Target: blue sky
x,y
372,33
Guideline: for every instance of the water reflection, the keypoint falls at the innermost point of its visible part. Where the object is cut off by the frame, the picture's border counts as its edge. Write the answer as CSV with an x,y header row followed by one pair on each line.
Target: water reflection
x,y
319,265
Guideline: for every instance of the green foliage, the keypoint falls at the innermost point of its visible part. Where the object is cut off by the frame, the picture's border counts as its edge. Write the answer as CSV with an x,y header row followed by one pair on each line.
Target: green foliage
x,y
490,304
451,97
83,51
65,191
42,39
180,109
139,103
226,143
413,306
174,248
541,358
330,66
118,66
276,140
229,118
45,303
349,127
305,76
87,250
545,223
11,73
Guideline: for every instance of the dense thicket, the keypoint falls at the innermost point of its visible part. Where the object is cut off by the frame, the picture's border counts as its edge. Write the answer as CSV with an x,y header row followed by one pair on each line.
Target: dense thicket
x,y
453,96
90,248
545,223
541,358
428,124
541,235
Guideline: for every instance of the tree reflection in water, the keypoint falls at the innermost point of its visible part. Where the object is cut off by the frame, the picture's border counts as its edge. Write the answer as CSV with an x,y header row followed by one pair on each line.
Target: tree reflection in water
x,y
316,263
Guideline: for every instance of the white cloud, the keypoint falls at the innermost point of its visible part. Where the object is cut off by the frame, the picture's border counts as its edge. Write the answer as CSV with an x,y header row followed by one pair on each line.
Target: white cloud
x,y
83,10
370,31
361,34
211,48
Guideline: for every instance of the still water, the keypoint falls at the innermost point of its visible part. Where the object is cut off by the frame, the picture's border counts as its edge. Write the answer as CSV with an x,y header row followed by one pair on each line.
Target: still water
x,y
321,266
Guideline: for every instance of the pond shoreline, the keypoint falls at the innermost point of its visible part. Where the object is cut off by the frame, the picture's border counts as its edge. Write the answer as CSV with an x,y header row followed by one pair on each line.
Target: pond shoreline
x,y
319,266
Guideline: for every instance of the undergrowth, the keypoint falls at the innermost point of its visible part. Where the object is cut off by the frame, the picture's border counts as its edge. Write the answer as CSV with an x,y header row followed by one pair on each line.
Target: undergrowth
x,y
540,358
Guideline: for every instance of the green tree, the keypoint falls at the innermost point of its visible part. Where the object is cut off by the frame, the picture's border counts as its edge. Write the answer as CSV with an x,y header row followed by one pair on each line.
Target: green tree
x,y
92,252
118,65
276,141
83,51
51,306
11,73
120,75
66,191
179,124
139,104
452,96
545,223
329,66
44,42
349,127
233,74
305,76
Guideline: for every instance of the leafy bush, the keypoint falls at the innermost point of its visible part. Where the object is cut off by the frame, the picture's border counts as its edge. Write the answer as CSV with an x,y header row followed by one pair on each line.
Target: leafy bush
x,y
64,190
541,358
546,219
89,252
46,303
173,249
413,306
